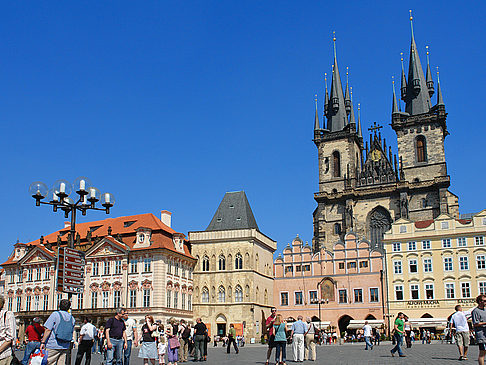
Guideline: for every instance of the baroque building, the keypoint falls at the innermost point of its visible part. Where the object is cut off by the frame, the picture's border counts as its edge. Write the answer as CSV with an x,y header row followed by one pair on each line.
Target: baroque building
x,y
138,262
233,280
364,186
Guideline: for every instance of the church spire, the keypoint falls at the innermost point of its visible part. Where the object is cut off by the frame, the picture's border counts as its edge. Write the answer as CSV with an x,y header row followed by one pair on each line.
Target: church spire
x,y
326,98
336,119
440,101
428,77
317,126
403,87
417,99
347,99
351,109
360,133
394,103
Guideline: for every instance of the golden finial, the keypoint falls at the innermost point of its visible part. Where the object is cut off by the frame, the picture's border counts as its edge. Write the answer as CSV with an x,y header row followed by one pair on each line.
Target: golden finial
x,y
325,77
393,81
351,91
427,48
315,98
401,56
437,73
334,36
411,17
359,106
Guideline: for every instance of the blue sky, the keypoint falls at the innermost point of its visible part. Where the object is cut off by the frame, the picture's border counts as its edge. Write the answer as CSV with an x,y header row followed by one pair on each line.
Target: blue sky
x,y
168,105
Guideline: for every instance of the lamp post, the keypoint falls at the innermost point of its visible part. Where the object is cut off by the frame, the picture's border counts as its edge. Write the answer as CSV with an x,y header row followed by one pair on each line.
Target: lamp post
x,y
84,197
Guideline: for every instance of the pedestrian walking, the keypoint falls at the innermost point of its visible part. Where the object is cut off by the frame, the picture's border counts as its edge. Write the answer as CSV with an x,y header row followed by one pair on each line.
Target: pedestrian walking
x,y
479,323
310,341
94,349
101,339
271,336
34,333
232,339
162,349
58,334
8,334
132,337
148,351
85,342
408,329
280,340
199,335
297,332
184,339
116,338
398,332
173,342
459,328
367,335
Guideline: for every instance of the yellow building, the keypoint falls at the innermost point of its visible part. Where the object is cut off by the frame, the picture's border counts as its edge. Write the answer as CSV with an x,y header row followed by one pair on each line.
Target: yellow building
x,y
434,265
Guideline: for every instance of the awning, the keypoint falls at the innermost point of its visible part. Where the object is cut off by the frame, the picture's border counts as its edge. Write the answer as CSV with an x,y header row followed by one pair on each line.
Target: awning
x,y
428,322
359,323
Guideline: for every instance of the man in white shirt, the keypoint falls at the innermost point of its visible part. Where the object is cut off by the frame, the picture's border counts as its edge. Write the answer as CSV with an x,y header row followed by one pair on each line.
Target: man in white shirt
x,y
8,333
86,341
132,336
461,335
367,335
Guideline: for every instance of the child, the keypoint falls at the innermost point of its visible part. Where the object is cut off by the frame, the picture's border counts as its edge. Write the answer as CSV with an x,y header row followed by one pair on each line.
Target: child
x,y
162,347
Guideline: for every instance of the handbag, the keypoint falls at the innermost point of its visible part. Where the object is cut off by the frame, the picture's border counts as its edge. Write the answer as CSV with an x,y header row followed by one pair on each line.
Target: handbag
x,y
174,342
38,357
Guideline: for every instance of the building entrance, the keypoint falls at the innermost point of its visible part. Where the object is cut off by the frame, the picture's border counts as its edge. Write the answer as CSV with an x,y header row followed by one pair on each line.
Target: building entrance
x,y
221,329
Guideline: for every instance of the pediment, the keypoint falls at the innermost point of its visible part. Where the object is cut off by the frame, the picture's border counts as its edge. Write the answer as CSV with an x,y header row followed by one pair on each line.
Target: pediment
x,y
36,256
107,247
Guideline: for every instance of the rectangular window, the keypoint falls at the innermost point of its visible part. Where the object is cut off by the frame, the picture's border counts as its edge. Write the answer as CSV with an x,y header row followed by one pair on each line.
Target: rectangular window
x,y
146,298
38,274
427,265
176,269
19,277
412,246
446,242
299,300
9,303
358,295
133,266
36,302
96,269
449,287
147,265
104,299
341,266
399,292
118,269
363,264
466,290
289,268
183,274
176,299
306,268
429,291
169,298
403,229
298,268
463,263
313,297
343,296
169,266
29,274
19,304
481,262
397,267
94,300
352,265
479,240
414,291
106,270
46,273
189,302
117,299
448,264
396,247
284,299
27,303
12,277
133,298
80,301
412,265
183,301
482,287
426,245
374,298
461,242
444,225
46,302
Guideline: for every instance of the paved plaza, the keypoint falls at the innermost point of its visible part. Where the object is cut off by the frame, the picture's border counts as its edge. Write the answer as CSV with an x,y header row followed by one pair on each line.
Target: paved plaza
x,y
353,354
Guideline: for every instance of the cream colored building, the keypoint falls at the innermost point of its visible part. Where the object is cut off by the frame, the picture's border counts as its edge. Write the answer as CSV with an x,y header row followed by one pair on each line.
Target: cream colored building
x,y
233,279
434,265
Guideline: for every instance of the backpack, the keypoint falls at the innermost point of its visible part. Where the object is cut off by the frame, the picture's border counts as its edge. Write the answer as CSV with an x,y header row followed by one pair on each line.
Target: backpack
x,y
65,329
186,333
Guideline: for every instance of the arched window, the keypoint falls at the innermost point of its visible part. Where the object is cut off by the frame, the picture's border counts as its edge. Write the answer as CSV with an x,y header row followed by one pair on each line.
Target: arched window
x,y
238,294
336,164
379,221
421,149
238,261
222,263
221,294
205,263
205,295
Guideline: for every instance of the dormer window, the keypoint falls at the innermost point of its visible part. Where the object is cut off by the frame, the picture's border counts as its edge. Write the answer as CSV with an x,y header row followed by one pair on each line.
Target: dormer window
x,y
178,240
141,238
144,236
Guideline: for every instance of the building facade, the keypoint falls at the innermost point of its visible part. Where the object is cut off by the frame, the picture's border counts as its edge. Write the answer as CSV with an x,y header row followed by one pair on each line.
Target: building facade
x,y
364,187
434,265
330,286
233,280
138,262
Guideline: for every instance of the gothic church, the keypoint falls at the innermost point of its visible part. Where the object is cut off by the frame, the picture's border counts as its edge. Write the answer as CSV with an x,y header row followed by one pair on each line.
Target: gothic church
x,y
363,186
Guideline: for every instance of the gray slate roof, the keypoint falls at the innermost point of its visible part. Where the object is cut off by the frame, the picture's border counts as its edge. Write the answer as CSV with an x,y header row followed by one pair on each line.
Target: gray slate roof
x,y
234,212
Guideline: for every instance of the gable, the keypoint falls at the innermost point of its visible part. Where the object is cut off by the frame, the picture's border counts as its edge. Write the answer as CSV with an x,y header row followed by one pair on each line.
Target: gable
x,y
36,255
107,247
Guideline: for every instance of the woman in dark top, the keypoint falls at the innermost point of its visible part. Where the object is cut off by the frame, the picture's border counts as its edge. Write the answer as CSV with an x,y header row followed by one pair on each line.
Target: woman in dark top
x,y
148,351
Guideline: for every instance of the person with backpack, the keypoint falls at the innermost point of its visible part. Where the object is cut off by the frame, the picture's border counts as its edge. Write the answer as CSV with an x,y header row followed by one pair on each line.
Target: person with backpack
x,y
58,334
185,334
34,334
8,334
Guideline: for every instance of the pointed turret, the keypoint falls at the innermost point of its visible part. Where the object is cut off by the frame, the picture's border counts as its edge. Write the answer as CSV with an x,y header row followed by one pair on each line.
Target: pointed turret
x,y
336,119
440,101
403,87
352,120
394,103
428,76
326,98
360,133
417,99
347,98
317,126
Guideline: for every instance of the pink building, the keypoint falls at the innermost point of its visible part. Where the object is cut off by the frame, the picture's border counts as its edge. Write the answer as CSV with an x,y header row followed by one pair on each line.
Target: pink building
x,y
347,282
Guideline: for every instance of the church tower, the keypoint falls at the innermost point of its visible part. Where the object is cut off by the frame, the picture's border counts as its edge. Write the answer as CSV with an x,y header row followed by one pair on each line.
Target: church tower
x,y
364,187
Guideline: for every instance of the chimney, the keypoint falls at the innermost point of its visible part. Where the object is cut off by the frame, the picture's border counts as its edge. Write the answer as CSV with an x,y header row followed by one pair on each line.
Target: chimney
x,y
67,224
165,217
